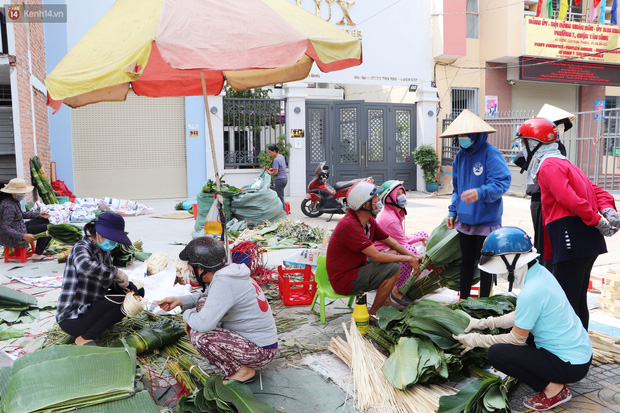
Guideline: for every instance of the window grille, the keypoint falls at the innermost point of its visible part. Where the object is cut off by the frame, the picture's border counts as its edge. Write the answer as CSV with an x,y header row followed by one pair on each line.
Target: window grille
x,y
464,98
250,125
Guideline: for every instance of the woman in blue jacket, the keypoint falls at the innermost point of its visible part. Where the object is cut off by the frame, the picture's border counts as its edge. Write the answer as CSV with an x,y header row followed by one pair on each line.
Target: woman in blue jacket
x,y
480,177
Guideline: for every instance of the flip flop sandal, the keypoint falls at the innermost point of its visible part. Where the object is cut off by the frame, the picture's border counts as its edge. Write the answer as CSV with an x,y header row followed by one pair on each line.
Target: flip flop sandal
x,y
248,381
43,258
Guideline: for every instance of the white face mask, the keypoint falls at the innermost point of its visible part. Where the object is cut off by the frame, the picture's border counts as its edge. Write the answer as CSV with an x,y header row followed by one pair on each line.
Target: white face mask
x,y
401,200
519,277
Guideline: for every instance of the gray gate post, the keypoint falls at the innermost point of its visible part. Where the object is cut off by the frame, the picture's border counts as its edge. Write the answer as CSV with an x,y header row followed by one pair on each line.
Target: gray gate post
x,y
426,123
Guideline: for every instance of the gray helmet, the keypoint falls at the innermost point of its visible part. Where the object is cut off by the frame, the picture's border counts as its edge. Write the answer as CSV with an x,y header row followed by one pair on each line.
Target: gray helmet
x,y
205,252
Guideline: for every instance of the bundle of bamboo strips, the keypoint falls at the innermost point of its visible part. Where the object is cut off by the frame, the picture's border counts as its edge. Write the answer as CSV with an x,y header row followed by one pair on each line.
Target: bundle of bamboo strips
x,y
372,388
606,348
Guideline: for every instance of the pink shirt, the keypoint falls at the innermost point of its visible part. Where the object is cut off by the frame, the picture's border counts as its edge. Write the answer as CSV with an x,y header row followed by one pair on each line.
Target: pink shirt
x,y
391,222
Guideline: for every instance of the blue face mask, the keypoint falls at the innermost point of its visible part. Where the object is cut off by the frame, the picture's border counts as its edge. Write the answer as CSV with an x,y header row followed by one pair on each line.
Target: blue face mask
x,y
465,143
107,245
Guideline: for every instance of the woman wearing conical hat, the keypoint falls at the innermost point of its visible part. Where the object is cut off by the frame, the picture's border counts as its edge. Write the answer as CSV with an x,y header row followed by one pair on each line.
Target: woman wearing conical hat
x,y
480,177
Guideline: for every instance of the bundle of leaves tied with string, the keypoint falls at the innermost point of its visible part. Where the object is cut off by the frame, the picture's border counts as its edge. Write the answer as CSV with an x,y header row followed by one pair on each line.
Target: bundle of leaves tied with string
x,y
442,250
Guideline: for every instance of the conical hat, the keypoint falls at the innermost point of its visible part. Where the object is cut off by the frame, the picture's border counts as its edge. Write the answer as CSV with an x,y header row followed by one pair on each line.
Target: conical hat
x,y
466,122
554,113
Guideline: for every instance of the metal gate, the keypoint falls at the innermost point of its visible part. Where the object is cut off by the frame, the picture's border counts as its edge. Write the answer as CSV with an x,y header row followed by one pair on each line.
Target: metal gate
x,y
358,139
592,144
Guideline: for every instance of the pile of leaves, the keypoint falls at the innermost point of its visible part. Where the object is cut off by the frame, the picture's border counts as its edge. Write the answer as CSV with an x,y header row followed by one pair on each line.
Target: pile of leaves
x,y
123,255
420,339
285,234
211,187
442,250
487,394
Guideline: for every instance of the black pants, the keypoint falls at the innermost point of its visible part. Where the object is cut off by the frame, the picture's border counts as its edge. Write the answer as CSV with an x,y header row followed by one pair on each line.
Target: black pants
x,y
574,277
278,186
535,367
539,231
36,226
99,316
471,246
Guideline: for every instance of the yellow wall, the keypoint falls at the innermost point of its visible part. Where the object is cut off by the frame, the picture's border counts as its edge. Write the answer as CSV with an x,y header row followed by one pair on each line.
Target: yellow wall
x,y
533,95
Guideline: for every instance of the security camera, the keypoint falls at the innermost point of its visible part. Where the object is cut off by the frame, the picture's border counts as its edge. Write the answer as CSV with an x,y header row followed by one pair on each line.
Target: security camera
x,y
511,82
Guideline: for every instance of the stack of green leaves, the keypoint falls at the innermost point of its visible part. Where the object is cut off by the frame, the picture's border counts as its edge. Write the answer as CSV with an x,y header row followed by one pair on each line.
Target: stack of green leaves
x,y
488,306
63,378
15,300
442,250
414,360
434,355
156,335
211,187
485,395
65,233
41,181
123,255
216,397
141,402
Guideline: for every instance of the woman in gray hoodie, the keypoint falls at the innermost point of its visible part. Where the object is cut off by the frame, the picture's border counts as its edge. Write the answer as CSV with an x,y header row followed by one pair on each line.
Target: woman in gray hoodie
x,y
230,323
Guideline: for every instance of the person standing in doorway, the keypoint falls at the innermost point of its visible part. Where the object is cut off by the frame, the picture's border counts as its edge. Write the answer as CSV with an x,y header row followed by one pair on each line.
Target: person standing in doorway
x,y
278,171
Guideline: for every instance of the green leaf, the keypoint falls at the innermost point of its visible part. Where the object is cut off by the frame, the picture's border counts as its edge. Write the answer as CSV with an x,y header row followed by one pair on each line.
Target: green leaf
x,y
457,402
401,368
241,397
494,399
388,315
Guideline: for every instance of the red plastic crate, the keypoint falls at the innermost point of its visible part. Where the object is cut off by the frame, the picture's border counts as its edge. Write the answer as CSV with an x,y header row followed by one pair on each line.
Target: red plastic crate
x,y
296,292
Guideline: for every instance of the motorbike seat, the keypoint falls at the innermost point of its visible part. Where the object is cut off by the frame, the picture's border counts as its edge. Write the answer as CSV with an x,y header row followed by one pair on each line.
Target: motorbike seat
x,y
343,184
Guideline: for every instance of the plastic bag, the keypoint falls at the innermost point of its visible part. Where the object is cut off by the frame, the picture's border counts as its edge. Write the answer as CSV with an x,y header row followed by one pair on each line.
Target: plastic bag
x,y
212,222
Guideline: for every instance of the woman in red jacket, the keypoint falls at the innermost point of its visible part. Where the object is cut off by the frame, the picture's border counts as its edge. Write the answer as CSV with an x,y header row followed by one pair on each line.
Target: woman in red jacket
x,y
571,205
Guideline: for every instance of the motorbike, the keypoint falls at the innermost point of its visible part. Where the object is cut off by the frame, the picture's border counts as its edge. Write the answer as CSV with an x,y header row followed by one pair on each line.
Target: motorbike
x,y
322,198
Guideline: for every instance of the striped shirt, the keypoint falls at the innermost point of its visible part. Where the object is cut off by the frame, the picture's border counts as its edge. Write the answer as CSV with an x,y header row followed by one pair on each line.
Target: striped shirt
x,y
88,275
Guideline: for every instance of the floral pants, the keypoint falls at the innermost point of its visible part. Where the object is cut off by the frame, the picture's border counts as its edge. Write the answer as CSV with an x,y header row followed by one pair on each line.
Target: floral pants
x,y
405,267
227,350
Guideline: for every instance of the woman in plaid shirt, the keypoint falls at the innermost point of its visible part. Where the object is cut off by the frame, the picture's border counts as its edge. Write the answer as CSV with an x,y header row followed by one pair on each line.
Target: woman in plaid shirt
x,y
84,310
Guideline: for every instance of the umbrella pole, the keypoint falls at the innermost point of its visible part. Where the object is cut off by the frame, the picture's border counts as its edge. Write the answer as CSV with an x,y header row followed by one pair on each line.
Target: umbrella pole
x,y
217,174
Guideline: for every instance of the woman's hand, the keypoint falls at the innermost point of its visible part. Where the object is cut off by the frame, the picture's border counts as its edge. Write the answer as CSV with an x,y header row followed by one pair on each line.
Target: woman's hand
x,y
450,223
44,215
469,196
187,328
121,279
415,262
423,240
169,303
28,237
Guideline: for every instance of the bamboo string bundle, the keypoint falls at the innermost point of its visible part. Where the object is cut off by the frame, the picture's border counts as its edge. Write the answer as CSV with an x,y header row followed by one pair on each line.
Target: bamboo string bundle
x,y
606,348
372,388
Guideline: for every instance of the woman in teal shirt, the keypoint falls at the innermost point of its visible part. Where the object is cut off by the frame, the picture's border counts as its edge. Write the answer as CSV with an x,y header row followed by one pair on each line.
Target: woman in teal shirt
x,y
558,351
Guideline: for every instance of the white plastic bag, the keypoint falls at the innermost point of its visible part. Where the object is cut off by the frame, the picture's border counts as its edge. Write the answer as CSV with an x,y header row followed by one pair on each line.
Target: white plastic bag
x,y
212,223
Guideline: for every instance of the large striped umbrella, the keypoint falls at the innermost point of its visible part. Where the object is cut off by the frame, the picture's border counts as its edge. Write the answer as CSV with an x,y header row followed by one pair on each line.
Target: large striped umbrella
x,y
161,47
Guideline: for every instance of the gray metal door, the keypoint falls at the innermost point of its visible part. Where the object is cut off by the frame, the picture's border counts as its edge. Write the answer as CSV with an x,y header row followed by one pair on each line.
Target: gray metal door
x,y
359,139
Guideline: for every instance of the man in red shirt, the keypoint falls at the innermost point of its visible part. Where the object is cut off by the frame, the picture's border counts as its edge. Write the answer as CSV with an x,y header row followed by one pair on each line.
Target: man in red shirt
x,y
351,246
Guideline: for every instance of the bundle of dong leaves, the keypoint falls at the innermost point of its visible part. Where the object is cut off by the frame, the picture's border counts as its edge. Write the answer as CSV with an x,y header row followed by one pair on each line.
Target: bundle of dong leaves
x,y
65,378
42,182
421,344
488,394
442,250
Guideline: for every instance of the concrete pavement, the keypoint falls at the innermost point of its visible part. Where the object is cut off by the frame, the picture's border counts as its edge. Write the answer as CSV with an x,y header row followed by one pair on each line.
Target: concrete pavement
x,y
286,382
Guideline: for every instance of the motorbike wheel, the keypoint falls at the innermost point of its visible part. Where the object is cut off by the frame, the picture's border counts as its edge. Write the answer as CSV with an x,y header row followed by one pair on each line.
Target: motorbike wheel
x,y
310,208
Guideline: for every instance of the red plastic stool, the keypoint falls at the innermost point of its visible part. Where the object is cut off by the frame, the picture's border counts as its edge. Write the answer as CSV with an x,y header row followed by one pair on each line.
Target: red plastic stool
x,y
287,208
21,254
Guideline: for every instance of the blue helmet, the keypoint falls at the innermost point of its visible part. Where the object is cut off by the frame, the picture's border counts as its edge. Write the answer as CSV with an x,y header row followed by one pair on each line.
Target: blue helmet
x,y
504,241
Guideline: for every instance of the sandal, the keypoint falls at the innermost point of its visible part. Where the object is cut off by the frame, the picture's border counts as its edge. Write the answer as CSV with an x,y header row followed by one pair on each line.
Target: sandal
x,y
43,258
248,381
402,301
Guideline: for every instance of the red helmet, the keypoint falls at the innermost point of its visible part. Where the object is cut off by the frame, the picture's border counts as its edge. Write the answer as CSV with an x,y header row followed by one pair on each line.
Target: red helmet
x,y
540,129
